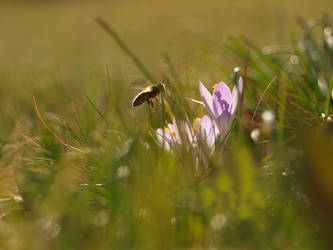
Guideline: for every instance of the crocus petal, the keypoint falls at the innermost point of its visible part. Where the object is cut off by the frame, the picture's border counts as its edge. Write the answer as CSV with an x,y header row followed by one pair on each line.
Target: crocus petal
x,y
224,125
207,130
164,138
222,99
167,133
240,85
175,131
206,98
234,100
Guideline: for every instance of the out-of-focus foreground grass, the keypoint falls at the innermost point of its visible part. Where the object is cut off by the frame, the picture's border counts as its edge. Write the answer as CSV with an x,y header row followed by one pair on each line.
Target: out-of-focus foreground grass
x,y
81,169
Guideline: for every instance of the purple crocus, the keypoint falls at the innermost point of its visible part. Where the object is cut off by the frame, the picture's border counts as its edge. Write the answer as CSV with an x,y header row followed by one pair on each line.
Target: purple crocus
x,y
169,135
222,104
181,133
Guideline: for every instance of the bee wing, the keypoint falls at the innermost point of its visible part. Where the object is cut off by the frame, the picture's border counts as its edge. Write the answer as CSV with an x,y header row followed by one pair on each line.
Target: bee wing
x,y
141,97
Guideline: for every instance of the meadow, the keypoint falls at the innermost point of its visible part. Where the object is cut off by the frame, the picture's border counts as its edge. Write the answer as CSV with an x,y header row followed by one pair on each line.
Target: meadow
x,y
80,168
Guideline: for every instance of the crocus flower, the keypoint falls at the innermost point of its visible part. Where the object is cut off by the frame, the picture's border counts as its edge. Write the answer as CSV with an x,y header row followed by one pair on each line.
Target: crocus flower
x,y
169,135
180,133
222,104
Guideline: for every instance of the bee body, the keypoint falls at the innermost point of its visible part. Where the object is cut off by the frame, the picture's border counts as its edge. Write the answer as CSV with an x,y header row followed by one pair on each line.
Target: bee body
x,y
148,94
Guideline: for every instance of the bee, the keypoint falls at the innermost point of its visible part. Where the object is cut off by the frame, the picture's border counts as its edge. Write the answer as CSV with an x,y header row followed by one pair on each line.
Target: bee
x,y
148,95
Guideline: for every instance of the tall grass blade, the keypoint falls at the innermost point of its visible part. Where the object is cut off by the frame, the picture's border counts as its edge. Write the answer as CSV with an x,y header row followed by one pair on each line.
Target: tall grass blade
x,y
125,48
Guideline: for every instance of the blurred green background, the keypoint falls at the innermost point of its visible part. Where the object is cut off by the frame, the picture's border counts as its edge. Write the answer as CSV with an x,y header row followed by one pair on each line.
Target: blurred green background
x,y
102,182
56,46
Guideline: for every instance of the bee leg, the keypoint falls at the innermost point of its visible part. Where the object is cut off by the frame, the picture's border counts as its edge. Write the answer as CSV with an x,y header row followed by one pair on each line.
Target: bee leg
x,y
157,100
152,105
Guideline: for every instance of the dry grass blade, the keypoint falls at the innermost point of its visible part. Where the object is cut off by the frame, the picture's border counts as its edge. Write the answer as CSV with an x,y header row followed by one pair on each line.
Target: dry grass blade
x,y
50,130
32,141
262,96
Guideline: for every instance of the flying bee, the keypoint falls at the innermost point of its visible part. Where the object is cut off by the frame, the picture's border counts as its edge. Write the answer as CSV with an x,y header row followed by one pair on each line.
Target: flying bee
x,y
148,95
